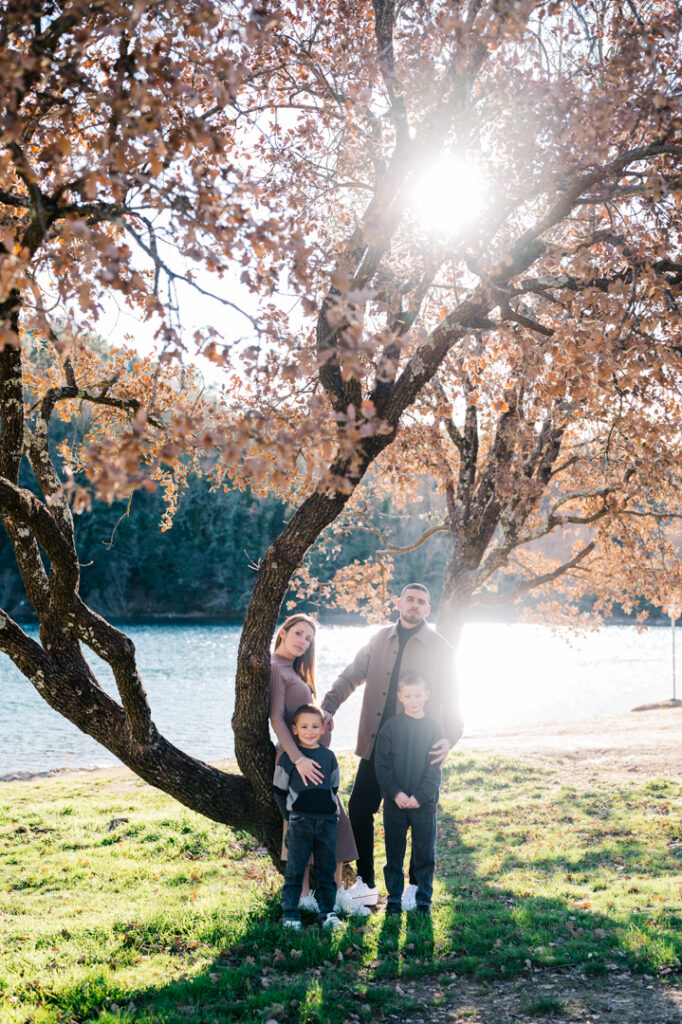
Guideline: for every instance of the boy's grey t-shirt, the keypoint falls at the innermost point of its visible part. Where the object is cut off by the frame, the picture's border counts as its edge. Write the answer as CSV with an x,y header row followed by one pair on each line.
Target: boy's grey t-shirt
x,y
402,760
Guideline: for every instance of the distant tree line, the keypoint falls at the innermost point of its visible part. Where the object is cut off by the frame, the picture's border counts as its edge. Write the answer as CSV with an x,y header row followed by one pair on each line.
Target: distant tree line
x,y
205,565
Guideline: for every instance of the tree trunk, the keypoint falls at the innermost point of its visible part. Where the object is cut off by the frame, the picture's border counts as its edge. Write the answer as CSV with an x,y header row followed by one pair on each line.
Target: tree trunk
x,y
253,747
455,601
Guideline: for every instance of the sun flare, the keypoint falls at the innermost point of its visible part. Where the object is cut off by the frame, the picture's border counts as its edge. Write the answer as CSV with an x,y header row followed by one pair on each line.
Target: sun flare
x,y
449,195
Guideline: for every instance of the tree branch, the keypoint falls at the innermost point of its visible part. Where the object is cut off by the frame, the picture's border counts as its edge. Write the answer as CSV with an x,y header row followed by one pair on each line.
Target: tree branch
x,y
394,549
491,600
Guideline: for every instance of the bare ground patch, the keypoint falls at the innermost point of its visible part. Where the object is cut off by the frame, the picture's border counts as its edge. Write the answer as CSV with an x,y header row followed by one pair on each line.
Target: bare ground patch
x,y
640,745
546,997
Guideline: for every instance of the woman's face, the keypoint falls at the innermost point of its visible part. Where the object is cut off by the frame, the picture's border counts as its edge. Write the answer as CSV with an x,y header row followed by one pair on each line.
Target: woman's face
x,y
296,640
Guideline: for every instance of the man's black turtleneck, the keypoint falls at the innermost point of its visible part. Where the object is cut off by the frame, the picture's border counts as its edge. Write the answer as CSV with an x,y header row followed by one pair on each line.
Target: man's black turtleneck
x,y
404,634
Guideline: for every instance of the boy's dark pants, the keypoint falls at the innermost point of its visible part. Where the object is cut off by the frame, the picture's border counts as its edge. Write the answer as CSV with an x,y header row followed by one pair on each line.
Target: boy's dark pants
x,y
308,835
422,821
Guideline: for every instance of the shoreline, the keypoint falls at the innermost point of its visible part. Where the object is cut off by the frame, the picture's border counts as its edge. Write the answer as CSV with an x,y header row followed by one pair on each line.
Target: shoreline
x,y
643,742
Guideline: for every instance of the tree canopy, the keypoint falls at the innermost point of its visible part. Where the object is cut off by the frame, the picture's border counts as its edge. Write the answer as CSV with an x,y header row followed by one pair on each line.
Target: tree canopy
x,y
331,154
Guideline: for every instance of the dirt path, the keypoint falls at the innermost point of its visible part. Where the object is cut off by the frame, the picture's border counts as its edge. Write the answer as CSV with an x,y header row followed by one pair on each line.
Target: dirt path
x,y
638,745
546,997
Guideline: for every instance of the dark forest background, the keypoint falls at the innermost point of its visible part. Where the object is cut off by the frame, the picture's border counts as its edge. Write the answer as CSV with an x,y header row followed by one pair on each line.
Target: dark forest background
x,y
203,565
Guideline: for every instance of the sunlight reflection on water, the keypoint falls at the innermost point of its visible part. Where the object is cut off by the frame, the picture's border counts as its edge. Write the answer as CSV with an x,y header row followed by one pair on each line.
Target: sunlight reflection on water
x,y
509,675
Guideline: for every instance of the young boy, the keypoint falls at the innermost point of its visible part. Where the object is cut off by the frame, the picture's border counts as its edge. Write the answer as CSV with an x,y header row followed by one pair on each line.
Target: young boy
x,y
312,813
409,785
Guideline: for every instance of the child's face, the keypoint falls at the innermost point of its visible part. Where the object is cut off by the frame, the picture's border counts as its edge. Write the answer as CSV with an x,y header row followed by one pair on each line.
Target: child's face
x,y
413,697
308,729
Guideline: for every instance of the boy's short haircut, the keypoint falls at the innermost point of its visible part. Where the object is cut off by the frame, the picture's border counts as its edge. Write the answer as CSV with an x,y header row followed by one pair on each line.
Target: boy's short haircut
x,y
417,586
412,679
307,709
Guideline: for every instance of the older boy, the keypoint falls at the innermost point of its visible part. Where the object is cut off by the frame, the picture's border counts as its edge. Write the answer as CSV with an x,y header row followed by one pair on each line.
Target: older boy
x,y
409,784
312,813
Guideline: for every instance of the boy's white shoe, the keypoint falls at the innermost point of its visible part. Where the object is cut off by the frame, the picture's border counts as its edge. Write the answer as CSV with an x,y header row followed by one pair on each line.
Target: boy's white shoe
x,y
362,894
309,903
345,904
409,898
332,921
294,925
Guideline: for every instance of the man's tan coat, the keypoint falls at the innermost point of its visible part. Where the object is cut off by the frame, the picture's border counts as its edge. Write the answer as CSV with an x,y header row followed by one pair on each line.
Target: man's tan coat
x,y
427,653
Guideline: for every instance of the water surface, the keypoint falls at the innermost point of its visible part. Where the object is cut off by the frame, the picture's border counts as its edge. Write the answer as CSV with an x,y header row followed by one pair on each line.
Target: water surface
x,y
509,675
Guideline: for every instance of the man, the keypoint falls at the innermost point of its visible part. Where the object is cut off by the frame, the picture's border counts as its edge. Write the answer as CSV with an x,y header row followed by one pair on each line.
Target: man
x,y
409,645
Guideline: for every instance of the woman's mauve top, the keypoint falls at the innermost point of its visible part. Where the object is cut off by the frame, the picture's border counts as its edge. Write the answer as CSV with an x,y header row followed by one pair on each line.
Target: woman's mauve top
x,y
287,692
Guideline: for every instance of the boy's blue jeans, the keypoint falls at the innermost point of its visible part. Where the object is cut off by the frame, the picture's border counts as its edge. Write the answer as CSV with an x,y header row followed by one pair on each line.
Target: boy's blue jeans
x,y
422,821
308,835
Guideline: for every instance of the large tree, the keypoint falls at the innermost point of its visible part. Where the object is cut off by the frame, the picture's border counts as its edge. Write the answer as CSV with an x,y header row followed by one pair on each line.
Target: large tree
x,y
153,148
549,489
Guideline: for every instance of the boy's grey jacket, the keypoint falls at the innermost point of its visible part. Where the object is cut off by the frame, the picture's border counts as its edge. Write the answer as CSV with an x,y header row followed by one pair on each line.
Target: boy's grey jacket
x,y
428,653
402,759
292,794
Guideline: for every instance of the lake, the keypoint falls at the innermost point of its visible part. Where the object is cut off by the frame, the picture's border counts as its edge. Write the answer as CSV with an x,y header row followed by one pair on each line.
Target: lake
x,y
509,675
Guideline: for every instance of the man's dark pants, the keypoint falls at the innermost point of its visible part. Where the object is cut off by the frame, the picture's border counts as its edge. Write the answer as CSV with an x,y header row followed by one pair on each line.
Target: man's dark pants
x,y
422,822
308,835
363,805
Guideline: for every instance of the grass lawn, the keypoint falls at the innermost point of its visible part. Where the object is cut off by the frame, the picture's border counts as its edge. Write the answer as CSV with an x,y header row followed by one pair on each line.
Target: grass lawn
x,y
117,904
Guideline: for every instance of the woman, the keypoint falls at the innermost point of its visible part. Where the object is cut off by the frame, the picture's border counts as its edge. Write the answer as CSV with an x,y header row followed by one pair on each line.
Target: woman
x,y
292,683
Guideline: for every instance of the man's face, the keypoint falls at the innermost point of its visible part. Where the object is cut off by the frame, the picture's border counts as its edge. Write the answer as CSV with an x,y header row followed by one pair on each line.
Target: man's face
x,y
414,607
308,729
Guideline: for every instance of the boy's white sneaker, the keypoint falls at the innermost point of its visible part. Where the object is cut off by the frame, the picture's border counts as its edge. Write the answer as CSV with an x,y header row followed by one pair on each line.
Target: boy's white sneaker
x,y
309,903
362,894
409,898
345,904
332,921
294,925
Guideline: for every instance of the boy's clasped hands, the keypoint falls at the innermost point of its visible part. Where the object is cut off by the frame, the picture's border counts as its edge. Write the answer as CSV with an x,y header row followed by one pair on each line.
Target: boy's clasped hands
x,y
405,802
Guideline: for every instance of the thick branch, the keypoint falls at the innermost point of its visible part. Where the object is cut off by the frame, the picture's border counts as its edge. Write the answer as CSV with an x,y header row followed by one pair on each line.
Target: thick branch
x,y
217,795
492,600
384,20
118,651
23,507
11,391
394,549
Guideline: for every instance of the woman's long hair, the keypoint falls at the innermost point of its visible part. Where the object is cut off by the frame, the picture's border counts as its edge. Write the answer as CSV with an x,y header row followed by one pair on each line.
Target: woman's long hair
x,y
305,663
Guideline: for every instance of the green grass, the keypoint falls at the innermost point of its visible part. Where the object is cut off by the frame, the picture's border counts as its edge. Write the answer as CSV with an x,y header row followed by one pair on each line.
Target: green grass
x,y
166,917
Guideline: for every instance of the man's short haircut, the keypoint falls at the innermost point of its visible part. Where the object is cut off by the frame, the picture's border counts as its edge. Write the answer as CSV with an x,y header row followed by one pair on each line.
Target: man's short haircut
x,y
416,586
307,709
412,679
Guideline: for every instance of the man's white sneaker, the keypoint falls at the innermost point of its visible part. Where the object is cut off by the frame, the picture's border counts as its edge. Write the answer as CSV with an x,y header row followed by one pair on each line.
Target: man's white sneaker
x,y
409,899
332,921
362,894
309,903
294,925
345,904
